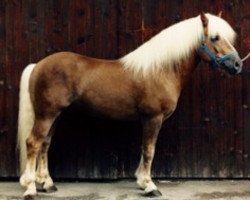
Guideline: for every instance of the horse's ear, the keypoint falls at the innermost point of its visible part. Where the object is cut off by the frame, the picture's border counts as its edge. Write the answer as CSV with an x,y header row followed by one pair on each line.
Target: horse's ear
x,y
204,20
220,14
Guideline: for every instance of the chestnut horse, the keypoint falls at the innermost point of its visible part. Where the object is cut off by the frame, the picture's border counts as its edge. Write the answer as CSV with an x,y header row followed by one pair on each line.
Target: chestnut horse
x,y
144,85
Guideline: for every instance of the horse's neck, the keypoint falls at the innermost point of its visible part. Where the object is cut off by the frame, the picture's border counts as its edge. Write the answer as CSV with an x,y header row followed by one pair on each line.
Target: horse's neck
x,y
182,71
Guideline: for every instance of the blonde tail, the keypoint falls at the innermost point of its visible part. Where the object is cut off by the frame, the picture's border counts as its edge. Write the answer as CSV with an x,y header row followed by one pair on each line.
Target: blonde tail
x,y
25,115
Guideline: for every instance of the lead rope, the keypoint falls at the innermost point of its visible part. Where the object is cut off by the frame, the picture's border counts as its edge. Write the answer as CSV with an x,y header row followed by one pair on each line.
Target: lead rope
x,y
246,57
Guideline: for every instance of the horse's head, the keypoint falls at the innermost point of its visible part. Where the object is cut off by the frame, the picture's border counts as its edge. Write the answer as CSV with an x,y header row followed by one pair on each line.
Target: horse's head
x,y
216,44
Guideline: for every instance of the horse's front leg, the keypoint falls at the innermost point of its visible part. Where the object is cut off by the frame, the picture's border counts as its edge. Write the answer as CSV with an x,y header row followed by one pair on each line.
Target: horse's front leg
x,y
151,127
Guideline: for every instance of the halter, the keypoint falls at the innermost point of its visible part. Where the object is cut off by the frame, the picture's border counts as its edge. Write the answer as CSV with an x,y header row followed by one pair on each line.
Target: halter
x,y
217,61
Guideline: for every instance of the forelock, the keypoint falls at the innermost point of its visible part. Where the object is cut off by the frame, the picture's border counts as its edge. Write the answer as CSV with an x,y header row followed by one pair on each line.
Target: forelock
x,y
217,25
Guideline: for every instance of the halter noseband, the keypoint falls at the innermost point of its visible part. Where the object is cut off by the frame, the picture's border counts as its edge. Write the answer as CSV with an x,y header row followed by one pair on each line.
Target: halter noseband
x,y
217,61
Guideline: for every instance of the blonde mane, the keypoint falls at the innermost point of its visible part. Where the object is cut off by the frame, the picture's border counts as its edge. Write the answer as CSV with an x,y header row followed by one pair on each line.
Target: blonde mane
x,y
174,44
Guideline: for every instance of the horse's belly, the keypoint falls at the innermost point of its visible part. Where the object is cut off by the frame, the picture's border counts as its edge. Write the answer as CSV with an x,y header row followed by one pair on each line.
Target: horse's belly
x,y
110,106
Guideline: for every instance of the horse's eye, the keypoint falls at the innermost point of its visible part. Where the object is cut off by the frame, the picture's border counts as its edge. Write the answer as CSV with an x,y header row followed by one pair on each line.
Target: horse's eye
x,y
215,38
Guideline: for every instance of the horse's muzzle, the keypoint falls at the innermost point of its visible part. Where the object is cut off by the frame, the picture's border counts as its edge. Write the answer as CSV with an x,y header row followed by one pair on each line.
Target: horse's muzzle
x,y
233,65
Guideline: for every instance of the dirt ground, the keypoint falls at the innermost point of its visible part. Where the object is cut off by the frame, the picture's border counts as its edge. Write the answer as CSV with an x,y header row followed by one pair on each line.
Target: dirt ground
x,y
128,190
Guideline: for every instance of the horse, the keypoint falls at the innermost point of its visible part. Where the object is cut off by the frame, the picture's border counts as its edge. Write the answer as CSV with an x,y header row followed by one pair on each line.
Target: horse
x,y
143,85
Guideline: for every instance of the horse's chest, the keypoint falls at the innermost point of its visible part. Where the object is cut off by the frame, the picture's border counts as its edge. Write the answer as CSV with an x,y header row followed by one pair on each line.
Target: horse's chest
x,y
159,102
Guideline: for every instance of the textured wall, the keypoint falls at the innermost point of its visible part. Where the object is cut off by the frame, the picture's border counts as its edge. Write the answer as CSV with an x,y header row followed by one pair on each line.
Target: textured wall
x,y
209,134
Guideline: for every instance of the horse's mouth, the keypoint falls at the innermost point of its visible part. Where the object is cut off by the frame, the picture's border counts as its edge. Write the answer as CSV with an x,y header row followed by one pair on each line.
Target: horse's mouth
x,y
231,70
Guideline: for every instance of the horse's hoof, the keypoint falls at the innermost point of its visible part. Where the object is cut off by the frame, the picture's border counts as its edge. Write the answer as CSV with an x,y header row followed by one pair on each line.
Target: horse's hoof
x,y
29,197
153,193
39,187
51,189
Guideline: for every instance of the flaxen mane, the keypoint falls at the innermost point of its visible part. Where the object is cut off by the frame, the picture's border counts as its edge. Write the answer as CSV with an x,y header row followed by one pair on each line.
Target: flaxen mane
x,y
174,44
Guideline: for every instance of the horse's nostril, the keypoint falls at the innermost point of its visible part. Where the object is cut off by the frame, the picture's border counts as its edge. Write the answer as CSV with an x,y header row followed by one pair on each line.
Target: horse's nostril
x,y
236,64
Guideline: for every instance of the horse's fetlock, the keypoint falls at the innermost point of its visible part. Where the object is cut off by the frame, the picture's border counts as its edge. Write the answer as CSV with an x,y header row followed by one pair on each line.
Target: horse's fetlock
x,y
26,179
40,178
150,186
30,192
48,183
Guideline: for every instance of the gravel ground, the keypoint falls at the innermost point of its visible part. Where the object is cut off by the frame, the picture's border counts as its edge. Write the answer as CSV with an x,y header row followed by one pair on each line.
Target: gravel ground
x,y
128,190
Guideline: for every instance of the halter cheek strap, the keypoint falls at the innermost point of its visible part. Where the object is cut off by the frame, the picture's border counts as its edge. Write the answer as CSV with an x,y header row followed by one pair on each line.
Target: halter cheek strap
x,y
217,61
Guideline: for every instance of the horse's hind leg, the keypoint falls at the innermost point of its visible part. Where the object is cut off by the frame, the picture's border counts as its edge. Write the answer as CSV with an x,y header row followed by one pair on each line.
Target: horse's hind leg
x,y
34,143
42,173
151,129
